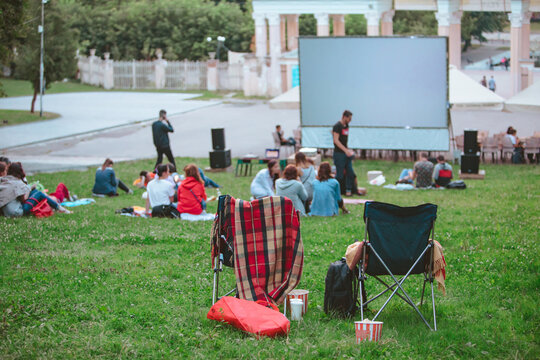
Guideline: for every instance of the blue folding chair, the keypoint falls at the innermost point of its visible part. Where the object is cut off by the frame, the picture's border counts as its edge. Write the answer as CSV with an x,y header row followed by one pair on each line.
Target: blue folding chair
x,y
397,242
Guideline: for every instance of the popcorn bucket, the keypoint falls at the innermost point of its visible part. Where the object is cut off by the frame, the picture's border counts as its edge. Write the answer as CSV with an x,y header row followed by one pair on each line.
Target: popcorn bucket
x,y
368,330
299,294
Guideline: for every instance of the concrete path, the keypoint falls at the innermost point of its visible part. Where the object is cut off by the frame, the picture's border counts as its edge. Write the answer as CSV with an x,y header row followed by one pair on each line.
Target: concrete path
x,y
248,127
86,112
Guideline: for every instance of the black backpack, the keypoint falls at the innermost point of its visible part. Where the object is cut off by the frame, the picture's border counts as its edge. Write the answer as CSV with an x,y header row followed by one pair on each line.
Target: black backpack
x,y
341,290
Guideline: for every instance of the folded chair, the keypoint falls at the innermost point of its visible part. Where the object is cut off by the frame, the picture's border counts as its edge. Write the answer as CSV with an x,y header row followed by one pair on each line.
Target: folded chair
x,y
261,241
397,243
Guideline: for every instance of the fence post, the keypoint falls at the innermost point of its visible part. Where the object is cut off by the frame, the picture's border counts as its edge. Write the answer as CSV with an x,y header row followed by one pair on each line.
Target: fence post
x,y
108,72
133,75
212,75
159,69
91,60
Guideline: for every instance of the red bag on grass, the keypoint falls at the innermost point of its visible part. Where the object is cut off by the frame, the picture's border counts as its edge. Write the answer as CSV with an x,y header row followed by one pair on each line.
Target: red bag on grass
x,y
250,317
42,209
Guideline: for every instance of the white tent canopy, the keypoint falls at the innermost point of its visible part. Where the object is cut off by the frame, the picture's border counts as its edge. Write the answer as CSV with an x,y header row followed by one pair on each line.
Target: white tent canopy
x,y
527,100
465,93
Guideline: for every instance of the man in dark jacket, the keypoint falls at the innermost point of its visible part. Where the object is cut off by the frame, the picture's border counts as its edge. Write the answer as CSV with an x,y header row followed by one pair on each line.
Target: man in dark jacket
x,y
160,130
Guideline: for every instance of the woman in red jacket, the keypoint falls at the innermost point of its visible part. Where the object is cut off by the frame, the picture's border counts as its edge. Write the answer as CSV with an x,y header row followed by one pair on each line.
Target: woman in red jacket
x,y
191,194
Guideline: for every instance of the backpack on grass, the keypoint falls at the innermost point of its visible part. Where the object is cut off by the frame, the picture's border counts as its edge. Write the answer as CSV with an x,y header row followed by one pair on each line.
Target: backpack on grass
x,y
341,291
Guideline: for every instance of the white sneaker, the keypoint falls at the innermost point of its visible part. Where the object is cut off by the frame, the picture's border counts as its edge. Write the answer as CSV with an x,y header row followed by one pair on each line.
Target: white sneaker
x,y
130,192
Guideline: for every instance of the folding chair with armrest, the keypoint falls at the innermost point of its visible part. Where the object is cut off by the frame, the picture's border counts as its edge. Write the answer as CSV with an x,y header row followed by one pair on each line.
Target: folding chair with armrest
x,y
397,241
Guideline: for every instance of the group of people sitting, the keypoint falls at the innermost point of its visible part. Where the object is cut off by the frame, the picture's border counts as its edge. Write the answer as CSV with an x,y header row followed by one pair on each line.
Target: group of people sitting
x,y
168,193
313,192
427,174
18,198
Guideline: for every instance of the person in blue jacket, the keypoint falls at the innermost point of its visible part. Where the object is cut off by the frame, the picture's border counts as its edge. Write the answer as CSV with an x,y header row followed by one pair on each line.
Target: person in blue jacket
x,y
326,193
106,182
264,182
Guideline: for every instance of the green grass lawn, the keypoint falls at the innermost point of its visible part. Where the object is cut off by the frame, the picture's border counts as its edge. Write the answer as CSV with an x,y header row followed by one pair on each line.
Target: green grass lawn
x,y
98,285
16,117
24,88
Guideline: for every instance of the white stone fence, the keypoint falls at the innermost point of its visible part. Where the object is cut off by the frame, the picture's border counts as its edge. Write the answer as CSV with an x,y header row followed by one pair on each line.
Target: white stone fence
x,y
160,74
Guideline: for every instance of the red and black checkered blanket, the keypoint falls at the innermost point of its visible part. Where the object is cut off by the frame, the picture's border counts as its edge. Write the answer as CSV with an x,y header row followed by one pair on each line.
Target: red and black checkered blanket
x,y
268,249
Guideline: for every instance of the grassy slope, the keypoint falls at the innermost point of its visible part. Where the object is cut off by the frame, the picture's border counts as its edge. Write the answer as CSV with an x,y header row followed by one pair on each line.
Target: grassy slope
x,y
95,284
16,117
24,88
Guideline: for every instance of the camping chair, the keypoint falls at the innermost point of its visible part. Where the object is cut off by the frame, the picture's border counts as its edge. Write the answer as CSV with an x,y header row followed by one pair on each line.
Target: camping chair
x,y
397,241
261,241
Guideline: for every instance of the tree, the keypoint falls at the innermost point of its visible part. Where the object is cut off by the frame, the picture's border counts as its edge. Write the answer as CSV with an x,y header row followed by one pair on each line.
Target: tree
x,y
60,48
11,17
307,25
473,24
356,24
415,23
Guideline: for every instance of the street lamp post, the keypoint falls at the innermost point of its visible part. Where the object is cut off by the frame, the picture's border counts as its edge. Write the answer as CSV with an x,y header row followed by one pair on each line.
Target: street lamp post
x,y
41,29
220,43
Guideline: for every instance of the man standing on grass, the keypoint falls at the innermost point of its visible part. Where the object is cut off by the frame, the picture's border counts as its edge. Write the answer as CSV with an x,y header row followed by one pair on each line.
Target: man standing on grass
x,y
342,155
160,130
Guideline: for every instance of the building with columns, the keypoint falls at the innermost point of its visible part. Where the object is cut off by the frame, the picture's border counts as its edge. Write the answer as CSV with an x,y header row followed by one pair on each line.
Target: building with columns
x,y
276,29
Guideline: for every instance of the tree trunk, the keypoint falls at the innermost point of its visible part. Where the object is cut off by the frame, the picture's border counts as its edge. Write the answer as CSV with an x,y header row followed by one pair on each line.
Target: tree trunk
x,y
33,101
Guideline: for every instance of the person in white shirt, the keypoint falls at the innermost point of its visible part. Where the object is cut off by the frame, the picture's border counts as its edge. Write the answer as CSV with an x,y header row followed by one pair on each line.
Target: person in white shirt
x,y
161,195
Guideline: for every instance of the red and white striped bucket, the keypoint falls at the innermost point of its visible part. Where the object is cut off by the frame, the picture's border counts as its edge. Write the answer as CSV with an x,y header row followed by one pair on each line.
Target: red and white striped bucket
x,y
299,294
368,330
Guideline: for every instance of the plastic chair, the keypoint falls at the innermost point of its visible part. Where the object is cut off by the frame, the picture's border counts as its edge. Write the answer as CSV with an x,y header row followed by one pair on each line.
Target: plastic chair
x,y
397,242
287,148
490,146
532,146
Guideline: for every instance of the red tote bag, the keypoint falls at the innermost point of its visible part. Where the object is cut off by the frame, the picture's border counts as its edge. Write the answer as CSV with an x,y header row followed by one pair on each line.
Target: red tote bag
x,y
42,209
250,317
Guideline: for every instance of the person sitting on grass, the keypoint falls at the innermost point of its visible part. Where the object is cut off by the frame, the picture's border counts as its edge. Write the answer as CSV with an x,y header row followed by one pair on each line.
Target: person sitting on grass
x,y
191,193
307,173
423,172
17,198
106,183
442,172
161,195
264,182
290,187
144,178
326,193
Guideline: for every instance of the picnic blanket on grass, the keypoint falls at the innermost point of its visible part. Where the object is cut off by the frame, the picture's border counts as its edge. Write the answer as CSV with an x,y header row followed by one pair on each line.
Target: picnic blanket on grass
x,y
268,249
79,202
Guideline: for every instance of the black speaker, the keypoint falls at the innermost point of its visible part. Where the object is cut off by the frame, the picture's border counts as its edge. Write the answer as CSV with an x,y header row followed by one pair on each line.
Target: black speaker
x,y
470,164
218,139
220,159
470,142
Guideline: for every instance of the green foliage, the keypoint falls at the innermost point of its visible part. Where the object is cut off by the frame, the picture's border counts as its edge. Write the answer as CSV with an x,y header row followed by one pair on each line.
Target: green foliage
x,y
60,48
473,24
355,24
98,285
135,29
415,23
307,25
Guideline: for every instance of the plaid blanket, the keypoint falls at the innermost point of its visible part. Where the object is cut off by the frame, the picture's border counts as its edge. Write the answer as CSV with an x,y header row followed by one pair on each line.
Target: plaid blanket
x,y
268,249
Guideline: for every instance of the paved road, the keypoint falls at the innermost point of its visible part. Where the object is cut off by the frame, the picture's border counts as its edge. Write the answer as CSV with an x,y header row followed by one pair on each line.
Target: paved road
x,y
84,112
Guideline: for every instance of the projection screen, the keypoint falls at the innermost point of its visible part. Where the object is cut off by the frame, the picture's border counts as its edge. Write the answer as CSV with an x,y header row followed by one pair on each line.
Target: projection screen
x,y
396,88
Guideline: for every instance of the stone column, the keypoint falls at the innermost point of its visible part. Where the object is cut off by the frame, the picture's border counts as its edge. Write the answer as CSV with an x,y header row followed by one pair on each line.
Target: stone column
x,y
212,75
91,65
108,74
516,20
527,75
526,35
323,26
274,26
250,79
292,32
159,69
450,26
387,24
338,22
373,23
260,34
283,32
